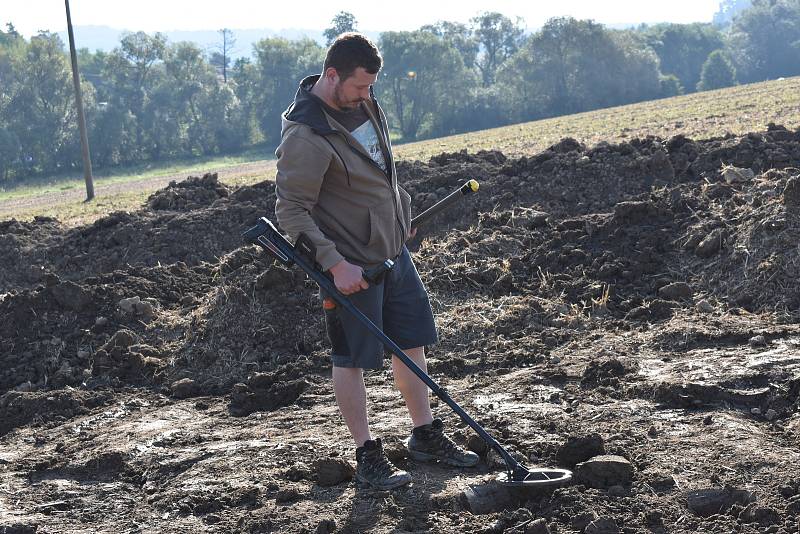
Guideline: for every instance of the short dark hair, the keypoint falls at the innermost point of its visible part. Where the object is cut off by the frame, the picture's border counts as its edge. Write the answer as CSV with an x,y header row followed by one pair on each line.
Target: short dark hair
x,y
352,50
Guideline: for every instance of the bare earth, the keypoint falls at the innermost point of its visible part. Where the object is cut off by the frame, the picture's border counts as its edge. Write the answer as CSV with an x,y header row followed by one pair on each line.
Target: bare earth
x,y
629,311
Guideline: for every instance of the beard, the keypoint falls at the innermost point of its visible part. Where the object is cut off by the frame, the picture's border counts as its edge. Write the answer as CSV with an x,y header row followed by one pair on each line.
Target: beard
x,y
341,103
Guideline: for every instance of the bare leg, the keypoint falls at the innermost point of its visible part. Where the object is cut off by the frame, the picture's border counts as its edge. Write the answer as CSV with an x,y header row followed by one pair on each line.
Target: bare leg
x,y
414,390
351,395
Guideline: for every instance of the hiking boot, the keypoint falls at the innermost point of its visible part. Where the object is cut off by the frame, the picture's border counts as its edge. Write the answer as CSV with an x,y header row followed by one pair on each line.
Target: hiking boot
x,y
375,469
429,442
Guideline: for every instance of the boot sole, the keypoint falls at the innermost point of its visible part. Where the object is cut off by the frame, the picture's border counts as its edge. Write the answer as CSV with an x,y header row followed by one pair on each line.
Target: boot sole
x,y
382,487
425,457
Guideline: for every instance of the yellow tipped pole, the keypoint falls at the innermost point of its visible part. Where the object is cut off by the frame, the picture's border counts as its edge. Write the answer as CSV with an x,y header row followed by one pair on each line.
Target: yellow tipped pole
x,y
470,186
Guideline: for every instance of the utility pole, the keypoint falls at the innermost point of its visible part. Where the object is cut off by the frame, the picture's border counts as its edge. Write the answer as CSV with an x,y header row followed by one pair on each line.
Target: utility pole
x,y
76,80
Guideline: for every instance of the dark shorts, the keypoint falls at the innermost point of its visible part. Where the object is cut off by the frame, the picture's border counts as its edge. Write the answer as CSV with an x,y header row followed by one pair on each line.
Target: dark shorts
x,y
399,306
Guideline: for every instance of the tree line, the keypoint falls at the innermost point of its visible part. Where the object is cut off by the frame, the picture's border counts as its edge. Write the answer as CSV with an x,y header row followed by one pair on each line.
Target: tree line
x,y
150,99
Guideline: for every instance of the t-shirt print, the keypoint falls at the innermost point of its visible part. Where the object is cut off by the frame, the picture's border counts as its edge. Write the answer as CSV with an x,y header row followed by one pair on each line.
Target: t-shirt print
x,y
368,137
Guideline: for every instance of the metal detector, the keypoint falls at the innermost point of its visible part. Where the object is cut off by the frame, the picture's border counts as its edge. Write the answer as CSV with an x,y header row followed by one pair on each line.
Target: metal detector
x,y
268,237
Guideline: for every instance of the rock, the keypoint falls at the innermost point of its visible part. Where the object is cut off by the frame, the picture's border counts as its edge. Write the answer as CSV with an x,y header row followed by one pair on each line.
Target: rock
x,y
771,415
121,339
762,515
137,307
538,219
72,296
676,291
581,520
660,481
703,306
602,525
395,450
498,526
128,306
579,449
707,502
735,175
710,244
326,526
266,391
617,491
287,495
18,528
537,526
477,445
183,388
333,471
604,471
791,193
487,498
757,341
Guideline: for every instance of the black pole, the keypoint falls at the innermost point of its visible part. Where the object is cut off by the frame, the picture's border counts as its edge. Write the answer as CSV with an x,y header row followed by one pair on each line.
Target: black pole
x,y
76,80
469,187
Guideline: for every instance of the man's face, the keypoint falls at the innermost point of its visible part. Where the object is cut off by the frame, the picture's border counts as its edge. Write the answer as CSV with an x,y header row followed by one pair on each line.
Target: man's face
x,y
348,94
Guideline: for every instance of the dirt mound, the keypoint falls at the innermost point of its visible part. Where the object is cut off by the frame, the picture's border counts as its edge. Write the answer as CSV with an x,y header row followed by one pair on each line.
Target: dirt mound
x,y
20,408
189,194
630,232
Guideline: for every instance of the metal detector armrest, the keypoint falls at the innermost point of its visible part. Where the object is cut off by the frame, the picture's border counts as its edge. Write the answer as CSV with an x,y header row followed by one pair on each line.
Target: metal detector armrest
x,y
268,237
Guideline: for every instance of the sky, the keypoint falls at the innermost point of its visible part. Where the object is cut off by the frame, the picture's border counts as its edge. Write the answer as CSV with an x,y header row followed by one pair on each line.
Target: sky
x,y
30,16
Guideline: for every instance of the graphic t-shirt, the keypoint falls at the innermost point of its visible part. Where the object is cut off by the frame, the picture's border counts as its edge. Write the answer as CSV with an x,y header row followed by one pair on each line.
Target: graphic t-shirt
x,y
358,124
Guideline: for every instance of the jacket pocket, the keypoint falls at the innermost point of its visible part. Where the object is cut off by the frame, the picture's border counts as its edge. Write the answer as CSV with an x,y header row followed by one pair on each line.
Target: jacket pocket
x,y
382,224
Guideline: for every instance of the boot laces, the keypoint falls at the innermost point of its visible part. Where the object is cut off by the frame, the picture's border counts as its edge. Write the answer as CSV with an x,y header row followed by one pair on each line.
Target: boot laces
x,y
445,443
377,462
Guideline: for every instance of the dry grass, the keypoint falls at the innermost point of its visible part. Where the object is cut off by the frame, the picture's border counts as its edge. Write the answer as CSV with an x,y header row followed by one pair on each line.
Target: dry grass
x,y
734,110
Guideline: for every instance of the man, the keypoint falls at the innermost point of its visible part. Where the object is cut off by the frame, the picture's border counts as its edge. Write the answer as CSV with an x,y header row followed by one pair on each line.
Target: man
x,y
337,185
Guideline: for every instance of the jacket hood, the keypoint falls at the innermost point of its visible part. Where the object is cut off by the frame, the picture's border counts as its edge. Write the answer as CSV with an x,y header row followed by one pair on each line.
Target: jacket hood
x,y
307,110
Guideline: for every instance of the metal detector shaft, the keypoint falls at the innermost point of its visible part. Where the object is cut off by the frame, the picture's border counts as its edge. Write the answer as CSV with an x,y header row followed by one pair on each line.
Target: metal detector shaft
x,y
469,187
268,237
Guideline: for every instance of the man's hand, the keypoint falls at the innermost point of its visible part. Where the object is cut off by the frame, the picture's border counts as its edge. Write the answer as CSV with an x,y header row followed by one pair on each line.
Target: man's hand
x,y
412,233
348,278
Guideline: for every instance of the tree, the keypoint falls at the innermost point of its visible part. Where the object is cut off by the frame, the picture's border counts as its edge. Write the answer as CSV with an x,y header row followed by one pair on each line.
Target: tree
x,y
280,65
728,10
132,77
765,40
41,110
10,36
10,150
459,36
247,89
343,22
670,86
683,48
718,72
576,65
499,38
423,76
222,57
